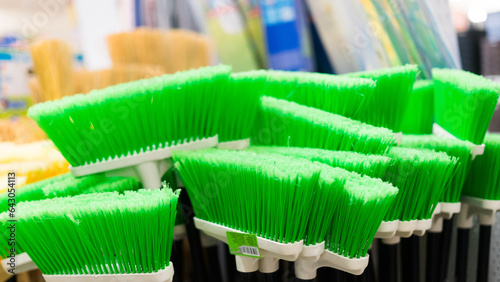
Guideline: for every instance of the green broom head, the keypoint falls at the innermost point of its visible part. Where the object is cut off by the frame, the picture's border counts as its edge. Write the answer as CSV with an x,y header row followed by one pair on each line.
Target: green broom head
x,y
362,206
171,180
61,186
421,176
464,103
134,117
483,181
284,123
419,115
371,165
67,185
334,94
268,196
99,233
386,108
459,149
239,104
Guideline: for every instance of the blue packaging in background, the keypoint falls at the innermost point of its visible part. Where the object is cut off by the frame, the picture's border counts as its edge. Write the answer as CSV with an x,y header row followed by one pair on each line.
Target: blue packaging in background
x,y
287,35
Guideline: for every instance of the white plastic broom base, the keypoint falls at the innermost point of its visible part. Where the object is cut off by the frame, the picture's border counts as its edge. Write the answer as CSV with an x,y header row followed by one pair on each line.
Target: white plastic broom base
x,y
449,209
485,209
165,275
306,268
270,251
387,229
147,166
235,145
23,263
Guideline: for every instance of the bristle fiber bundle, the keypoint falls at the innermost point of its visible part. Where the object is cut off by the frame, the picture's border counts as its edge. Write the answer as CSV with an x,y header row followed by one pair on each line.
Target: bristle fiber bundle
x,y
265,196
62,186
240,102
483,181
344,96
387,106
67,185
286,199
464,103
371,165
419,115
104,233
108,123
284,123
421,177
459,149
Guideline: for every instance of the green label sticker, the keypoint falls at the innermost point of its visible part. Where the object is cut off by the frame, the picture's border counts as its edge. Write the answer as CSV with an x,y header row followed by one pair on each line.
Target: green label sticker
x,y
242,244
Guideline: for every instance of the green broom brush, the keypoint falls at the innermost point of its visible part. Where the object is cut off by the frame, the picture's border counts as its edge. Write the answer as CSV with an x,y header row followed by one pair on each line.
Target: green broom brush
x,y
439,236
114,237
419,115
214,180
421,177
200,169
105,130
284,123
334,94
59,186
387,106
464,104
481,196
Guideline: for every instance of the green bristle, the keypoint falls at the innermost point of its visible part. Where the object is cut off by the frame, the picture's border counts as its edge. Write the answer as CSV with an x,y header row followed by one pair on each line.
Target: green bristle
x,y
171,180
240,102
132,117
338,95
268,196
464,103
58,186
452,147
483,180
284,123
67,185
419,115
362,207
386,108
421,177
101,233
370,165
231,186
63,186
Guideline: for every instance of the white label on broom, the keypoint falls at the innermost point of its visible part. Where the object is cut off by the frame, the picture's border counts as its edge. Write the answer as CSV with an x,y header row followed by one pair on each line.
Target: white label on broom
x,y
247,250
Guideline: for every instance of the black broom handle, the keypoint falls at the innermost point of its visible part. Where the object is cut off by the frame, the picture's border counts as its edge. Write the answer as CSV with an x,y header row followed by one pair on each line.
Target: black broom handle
x,y
388,261
462,254
483,258
410,259
445,244
193,234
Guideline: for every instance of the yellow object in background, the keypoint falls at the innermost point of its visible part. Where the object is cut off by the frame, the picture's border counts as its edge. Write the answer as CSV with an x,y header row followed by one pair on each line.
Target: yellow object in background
x,y
173,50
31,162
53,64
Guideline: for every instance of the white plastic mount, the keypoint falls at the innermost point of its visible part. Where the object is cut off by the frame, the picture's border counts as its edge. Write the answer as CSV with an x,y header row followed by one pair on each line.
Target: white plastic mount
x,y
147,166
315,256
23,263
441,132
165,275
485,209
405,229
235,145
271,252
